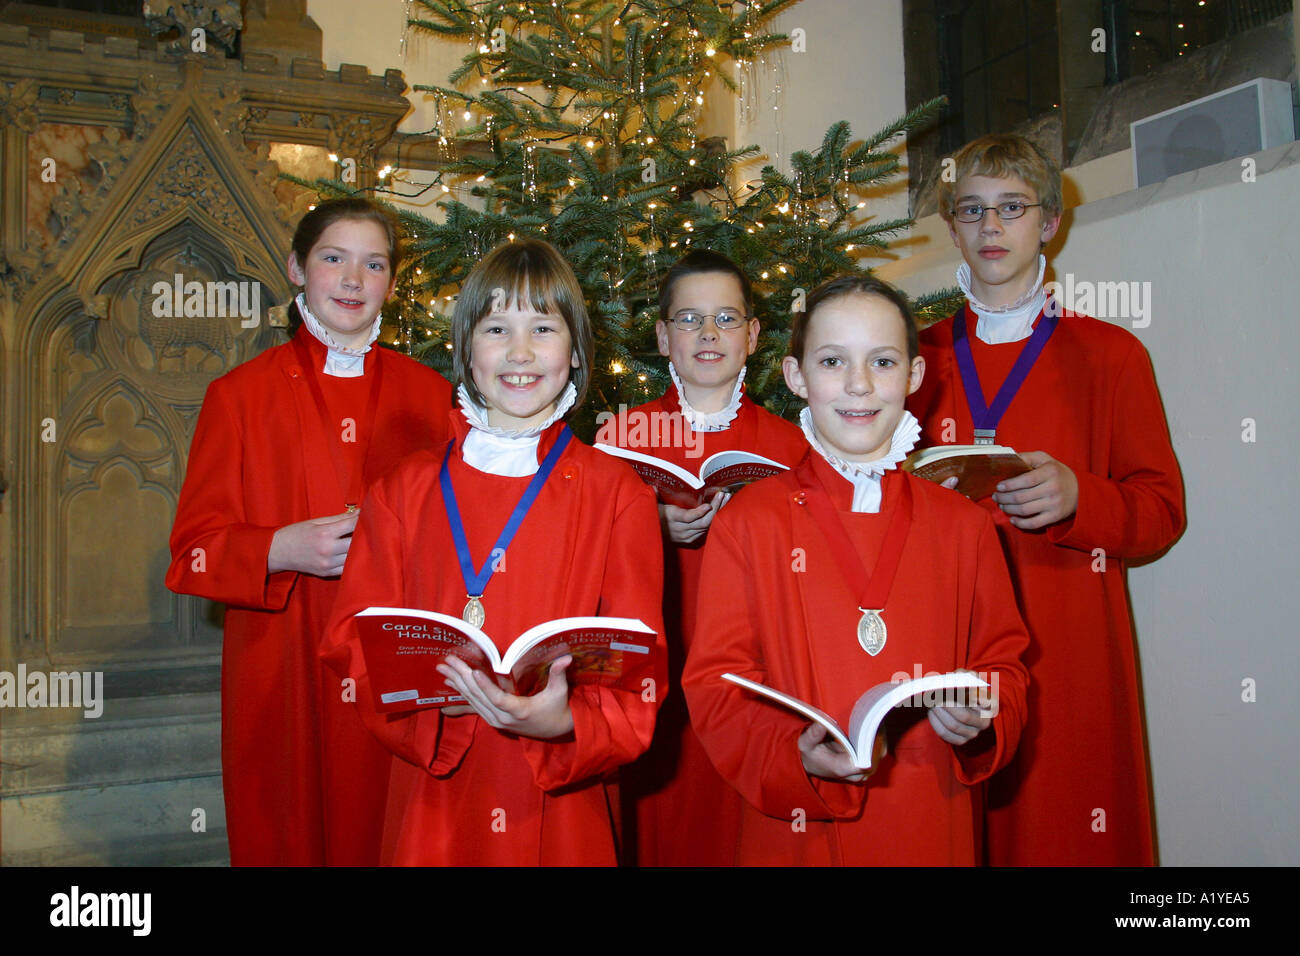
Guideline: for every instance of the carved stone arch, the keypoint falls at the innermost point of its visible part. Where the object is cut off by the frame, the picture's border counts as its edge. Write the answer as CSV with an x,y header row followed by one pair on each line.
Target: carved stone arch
x,y
38,425
115,480
189,167
131,249
190,201
112,421
109,415
145,306
157,153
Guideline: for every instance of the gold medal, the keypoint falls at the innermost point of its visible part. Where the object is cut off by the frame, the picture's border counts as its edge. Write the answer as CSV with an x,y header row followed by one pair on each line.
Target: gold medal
x,y
473,613
872,633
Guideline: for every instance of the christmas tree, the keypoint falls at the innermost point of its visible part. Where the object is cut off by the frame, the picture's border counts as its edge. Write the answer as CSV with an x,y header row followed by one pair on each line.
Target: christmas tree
x,y
588,110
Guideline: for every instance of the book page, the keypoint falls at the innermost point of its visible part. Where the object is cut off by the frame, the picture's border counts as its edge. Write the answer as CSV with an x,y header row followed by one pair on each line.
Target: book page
x,y
601,655
673,485
729,471
802,707
872,706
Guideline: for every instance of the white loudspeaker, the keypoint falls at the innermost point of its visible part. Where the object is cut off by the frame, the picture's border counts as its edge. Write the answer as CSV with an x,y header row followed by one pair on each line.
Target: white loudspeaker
x,y
1235,122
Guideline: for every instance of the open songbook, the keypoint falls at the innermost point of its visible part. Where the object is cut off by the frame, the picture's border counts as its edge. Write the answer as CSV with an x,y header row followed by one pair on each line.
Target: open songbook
x,y
402,648
727,471
871,707
978,468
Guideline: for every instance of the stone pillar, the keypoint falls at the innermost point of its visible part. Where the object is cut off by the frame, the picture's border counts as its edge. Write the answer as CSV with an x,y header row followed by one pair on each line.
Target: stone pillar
x,y
1295,40
282,29
18,109
1083,67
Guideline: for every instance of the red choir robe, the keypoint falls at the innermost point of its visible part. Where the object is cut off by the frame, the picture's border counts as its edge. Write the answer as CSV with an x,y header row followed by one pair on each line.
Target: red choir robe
x,y
1077,792
680,811
464,792
304,782
791,623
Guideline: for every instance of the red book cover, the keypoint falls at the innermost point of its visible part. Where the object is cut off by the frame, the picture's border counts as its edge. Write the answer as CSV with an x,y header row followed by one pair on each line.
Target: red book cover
x,y
978,468
403,647
727,471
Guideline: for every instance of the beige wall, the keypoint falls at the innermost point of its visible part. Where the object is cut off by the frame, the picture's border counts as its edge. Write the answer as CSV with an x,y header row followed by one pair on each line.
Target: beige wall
x,y
370,34
852,70
1220,608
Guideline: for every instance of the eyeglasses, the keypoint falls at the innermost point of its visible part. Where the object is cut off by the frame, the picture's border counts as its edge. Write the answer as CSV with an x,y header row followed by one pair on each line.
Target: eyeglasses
x,y
726,320
974,212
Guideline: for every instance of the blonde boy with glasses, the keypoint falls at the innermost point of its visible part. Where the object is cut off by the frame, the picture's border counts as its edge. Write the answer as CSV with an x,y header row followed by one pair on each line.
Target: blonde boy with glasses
x,y
1077,398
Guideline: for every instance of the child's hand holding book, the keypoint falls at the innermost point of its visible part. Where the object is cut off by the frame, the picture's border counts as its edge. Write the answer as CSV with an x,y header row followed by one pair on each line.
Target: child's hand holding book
x,y
960,725
543,716
686,526
973,470
409,651
723,473
824,757
827,751
1044,495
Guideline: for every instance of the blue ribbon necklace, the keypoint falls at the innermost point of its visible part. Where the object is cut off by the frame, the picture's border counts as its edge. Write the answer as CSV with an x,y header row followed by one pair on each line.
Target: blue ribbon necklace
x,y
986,417
476,581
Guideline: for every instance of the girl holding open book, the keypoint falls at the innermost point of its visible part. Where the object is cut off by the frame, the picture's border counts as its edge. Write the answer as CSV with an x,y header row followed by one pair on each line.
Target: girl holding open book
x,y
284,448
845,573
511,524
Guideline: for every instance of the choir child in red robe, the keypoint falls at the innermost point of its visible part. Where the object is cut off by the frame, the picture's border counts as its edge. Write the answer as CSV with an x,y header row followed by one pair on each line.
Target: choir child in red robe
x,y
509,780
681,811
1082,409
802,558
284,446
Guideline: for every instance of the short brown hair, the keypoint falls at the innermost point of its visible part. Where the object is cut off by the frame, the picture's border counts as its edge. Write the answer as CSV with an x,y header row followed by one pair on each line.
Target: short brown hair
x,y
526,264
331,211
1001,155
699,262
852,285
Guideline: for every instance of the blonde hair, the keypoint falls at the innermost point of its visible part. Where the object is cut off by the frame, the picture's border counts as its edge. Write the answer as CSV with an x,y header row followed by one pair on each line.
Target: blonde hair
x,y
1002,155
534,268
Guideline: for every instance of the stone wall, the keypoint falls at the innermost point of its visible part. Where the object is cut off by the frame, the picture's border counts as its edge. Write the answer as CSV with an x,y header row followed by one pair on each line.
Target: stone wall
x,y
130,161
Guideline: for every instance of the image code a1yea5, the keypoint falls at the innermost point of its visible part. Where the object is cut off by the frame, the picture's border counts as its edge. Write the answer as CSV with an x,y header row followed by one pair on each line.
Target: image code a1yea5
x,y
1184,897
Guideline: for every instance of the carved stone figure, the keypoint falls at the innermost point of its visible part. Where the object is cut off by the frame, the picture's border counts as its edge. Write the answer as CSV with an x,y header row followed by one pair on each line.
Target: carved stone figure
x,y
220,21
172,335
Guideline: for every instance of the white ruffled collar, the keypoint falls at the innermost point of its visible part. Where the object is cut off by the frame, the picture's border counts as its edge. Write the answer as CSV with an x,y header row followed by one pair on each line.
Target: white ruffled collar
x,y
1010,323
476,415
708,421
865,476
341,361
502,451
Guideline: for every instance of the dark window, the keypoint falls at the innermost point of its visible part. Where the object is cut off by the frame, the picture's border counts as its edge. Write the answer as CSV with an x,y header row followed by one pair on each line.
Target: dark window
x,y
121,8
997,62
1043,67
997,65
1154,32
